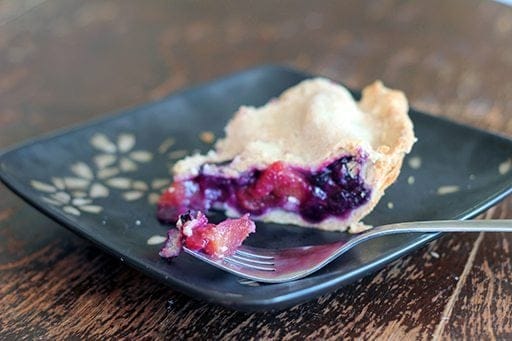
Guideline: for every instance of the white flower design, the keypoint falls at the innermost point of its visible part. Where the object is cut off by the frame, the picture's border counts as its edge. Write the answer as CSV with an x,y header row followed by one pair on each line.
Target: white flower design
x,y
76,192
117,157
136,189
86,180
68,194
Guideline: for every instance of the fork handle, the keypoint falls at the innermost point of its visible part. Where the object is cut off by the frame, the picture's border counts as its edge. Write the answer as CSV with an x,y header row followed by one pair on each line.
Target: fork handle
x,y
435,226
504,225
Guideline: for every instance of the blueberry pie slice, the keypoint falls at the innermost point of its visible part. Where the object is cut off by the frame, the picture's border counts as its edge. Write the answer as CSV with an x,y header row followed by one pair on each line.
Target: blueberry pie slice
x,y
313,157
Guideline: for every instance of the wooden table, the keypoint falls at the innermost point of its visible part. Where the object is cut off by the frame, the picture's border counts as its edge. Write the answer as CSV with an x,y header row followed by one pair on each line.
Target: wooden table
x,y
64,62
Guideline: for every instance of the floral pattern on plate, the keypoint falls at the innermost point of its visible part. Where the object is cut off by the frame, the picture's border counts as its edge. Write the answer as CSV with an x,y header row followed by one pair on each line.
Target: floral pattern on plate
x,y
112,170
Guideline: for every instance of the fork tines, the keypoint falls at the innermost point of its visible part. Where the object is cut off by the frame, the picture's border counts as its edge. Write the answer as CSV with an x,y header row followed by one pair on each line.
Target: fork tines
x,y
252,261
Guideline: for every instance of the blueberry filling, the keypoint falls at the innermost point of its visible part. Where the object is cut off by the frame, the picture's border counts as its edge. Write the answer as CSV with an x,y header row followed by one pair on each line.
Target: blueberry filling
x,y
334,190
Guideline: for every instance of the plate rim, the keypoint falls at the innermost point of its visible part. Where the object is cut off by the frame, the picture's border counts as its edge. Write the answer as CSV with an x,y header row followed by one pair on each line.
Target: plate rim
x,y
246,303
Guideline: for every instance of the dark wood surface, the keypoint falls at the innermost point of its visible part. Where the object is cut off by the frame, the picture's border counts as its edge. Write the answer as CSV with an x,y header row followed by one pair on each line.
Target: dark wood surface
x,y
65,62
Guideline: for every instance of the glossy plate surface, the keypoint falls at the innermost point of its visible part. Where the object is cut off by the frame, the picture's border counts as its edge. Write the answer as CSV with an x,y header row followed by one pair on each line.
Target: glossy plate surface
x,y
101,179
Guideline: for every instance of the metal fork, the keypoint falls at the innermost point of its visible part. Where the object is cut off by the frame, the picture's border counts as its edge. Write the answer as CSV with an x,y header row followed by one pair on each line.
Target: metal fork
x,y
283,265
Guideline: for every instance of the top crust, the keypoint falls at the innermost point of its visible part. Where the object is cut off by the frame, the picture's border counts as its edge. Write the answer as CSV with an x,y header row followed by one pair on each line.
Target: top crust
x,y
310,124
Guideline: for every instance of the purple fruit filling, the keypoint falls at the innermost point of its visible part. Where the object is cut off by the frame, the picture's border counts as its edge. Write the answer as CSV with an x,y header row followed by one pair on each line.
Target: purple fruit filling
x,y
334,190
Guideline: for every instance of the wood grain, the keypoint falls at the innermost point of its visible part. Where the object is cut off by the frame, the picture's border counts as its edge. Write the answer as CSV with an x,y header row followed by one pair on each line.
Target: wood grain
x,y
64,62
483,306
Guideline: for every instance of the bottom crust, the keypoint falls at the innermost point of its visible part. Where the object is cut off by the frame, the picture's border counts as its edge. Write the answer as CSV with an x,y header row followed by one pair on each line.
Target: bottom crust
x,y
349,224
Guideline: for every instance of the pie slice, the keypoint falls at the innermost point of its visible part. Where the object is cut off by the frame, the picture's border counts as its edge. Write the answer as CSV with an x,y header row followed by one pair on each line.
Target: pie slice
x,y
313,157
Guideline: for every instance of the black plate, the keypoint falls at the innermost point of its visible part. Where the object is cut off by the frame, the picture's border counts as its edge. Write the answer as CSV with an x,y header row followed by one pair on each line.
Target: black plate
x,y
67,176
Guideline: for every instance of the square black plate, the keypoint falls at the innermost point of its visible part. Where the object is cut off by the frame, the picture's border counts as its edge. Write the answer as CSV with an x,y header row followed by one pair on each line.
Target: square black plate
x,y
99,180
